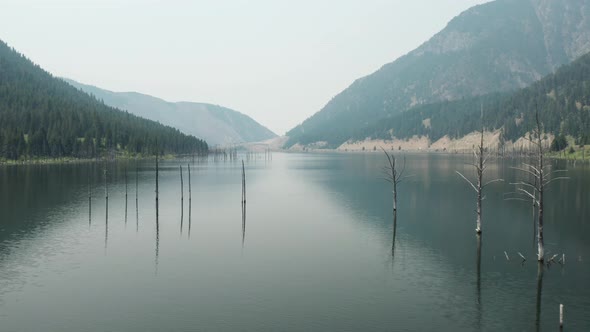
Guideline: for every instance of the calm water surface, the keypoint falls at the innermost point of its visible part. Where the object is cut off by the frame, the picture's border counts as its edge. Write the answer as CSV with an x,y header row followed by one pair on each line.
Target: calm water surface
x,y
316,253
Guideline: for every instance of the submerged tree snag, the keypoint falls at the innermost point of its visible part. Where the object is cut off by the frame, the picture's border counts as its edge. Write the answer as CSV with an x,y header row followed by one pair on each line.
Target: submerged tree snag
x,y
541,175
480,165
393,175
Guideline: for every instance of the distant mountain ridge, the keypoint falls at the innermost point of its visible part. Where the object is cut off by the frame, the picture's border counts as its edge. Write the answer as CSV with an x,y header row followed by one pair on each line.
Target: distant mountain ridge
x,y
216,124
497,46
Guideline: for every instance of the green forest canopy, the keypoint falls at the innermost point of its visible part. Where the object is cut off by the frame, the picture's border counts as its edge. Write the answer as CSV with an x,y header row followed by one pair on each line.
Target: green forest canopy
x,y
43,116
562,100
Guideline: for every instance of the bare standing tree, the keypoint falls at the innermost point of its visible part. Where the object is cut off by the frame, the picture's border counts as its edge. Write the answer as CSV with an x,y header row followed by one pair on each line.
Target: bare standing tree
x,y
480,166
534,190
394,176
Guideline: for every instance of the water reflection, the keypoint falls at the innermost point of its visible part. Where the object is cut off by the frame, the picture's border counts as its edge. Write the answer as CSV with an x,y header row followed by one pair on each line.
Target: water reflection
x,y
243,203
190,197
126,194
540,270
189,217
478,281
394,231
106,226
106,193
181,200
136,197
181,216
157,238
430,261
243,223
136,217
125,210
89,195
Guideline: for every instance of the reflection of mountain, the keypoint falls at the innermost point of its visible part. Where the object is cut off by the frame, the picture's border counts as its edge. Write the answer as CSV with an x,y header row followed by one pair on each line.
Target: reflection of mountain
x,y
34,197
435,205
436,233
27,190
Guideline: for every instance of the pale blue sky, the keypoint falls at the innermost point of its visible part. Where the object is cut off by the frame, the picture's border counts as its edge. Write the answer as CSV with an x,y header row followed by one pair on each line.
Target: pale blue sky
x,y
277,61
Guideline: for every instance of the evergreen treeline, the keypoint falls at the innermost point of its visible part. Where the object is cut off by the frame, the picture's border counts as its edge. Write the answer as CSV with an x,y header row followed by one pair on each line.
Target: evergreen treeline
x,y
562,99
43,116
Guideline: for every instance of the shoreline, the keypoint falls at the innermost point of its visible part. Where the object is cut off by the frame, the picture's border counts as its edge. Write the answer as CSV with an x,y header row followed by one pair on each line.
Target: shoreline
x,y
72,160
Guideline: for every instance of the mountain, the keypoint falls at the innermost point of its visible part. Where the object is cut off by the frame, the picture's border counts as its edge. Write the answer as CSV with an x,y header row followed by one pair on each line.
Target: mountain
x,y
498,46
562,100
43,116
216,124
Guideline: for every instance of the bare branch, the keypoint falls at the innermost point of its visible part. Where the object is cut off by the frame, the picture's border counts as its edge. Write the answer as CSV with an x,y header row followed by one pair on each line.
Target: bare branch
x,y
468,181
401,173
492,181
527,184
516,199
387,179
546,183
528,194
524,170
533,167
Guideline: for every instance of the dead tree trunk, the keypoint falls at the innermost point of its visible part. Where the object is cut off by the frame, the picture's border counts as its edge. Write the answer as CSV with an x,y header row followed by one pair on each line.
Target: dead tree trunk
x,y
181,200
89,196
189,199
541,189
480,167
126,195
106,218
243,183
243,203
106,189
534,190
157,191
394,176
136,197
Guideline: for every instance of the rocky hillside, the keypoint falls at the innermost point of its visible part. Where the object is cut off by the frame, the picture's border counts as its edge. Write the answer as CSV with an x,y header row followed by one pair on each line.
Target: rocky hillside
x,y
215,124
562,101
498,46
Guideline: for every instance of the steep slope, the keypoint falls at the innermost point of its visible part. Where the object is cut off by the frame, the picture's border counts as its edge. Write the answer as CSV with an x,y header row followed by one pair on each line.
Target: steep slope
x,y
497,46
562,100
42,116
216,124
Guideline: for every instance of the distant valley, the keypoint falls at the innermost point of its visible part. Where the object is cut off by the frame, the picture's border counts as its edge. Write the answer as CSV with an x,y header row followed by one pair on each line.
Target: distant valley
x,y
215,124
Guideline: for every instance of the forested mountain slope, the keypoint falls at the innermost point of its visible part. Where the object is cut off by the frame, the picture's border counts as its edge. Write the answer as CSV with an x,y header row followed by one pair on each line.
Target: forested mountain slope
x,y
562,100
43,116
494,47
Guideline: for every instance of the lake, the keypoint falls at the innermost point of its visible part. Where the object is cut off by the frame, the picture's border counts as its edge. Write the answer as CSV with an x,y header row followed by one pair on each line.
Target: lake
x,y
315,253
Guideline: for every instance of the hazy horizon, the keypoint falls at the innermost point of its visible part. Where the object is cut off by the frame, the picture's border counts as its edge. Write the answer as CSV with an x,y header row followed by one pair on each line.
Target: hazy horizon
x,y
276,61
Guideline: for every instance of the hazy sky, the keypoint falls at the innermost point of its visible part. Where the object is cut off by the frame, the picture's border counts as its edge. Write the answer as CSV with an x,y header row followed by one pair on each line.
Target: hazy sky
x,y
277,61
